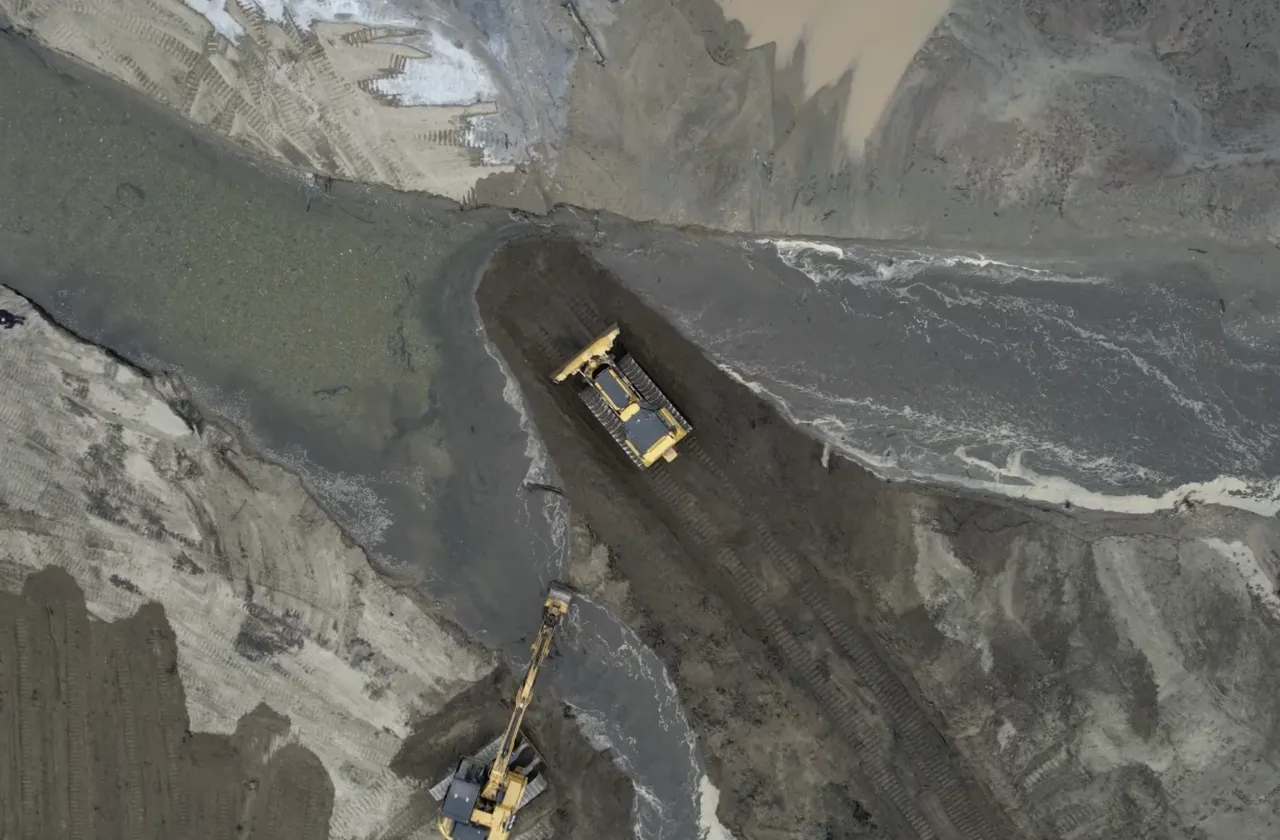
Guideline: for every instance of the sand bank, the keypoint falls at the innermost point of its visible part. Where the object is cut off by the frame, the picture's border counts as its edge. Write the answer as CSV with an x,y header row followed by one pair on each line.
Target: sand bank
x,y
269,602
347,100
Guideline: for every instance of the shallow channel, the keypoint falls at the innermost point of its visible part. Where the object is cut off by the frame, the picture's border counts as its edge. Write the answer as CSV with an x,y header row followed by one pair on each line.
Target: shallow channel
x,y
335,325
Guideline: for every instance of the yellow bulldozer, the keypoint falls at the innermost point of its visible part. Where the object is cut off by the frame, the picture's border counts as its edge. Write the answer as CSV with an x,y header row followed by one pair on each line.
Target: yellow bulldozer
x,y
480,799
638,416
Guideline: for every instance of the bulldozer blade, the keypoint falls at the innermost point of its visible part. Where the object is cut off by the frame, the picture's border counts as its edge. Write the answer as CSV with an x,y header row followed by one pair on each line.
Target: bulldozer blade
x,y
599,346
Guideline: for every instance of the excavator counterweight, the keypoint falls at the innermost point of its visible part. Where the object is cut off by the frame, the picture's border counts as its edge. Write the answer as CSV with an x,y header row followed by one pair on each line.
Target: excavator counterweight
x,y
480,800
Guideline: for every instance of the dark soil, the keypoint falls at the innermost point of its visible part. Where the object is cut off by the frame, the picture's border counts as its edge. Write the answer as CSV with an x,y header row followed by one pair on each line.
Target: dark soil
x,y
94,738
744,560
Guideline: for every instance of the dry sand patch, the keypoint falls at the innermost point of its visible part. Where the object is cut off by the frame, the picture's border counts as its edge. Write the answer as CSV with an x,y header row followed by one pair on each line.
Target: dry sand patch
x,y
876,39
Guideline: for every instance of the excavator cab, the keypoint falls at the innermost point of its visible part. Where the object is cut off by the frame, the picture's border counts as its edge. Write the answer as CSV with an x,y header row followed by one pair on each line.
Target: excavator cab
x,y
480,800
460,800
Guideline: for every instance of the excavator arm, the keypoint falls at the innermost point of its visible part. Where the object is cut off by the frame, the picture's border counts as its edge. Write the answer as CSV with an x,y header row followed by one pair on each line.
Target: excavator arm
x,y
557,604
488,811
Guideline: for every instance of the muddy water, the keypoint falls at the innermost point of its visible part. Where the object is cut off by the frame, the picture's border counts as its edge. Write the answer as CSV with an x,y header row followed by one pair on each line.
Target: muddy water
x,y
876,38
337,327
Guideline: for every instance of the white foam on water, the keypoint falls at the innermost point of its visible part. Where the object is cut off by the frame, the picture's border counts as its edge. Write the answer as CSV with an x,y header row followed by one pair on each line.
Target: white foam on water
x,y
709,825
1015,479
888,264
534,450
541,470
595,729
592,727
820,261
632,657
930,430
366,510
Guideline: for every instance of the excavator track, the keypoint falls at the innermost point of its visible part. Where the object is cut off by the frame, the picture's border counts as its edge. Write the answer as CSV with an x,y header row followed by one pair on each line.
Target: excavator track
x,y
932,801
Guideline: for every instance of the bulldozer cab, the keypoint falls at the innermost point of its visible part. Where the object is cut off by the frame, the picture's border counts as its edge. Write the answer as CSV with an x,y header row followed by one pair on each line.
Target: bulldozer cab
x,y
614,388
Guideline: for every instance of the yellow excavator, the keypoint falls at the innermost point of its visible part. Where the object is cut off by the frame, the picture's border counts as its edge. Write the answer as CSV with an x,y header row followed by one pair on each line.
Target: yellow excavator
x,y
483,795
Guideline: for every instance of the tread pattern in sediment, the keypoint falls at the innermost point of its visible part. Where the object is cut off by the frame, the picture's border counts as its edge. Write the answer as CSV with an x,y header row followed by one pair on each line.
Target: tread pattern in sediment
x,y
919,790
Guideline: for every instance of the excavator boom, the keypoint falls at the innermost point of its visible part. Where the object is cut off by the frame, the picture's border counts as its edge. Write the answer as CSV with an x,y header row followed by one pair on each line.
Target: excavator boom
x,y
475,811
554,609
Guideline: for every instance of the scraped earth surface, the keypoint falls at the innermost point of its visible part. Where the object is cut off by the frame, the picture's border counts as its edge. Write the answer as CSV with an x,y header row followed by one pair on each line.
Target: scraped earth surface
x,y
864,659
975,123
315,98
190,646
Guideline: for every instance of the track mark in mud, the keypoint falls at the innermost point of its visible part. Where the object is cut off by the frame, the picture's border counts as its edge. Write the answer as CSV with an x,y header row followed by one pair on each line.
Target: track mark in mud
x,y
918,780
312,97
102,747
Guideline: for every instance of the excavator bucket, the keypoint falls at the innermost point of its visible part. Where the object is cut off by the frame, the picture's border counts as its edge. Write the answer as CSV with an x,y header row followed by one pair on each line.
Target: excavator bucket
x,y
598,348
560,597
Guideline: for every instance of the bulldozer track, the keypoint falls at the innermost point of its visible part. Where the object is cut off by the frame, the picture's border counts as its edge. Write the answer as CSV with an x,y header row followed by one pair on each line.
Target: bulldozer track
x,y
923,744
591,397
631,368
955,811
895,810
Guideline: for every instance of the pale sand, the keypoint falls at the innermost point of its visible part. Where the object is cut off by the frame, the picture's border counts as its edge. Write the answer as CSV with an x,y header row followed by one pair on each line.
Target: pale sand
x,y
309,98
268,599
877,38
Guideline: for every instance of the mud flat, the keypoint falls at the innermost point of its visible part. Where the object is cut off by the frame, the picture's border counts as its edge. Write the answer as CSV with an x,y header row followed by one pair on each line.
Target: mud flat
x,y
182,623
871,660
